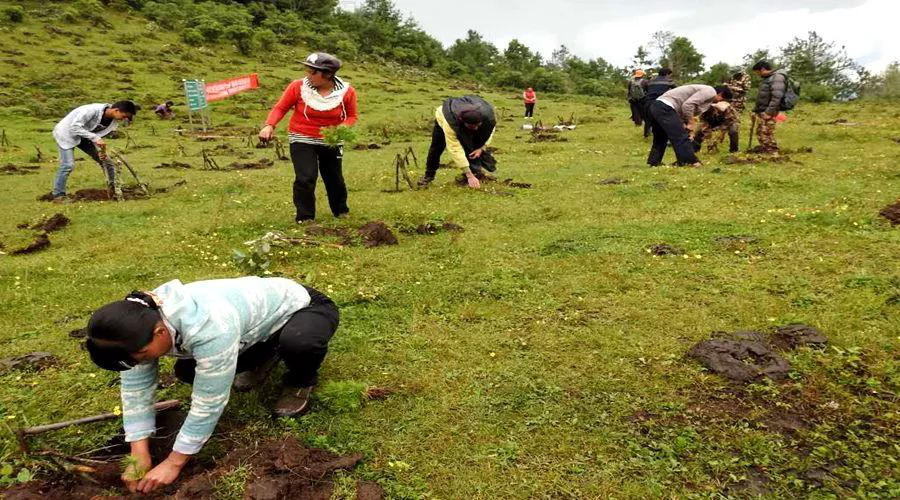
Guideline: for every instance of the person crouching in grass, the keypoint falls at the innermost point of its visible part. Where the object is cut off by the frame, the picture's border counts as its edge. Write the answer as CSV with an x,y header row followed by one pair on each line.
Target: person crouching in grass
x,y
224,333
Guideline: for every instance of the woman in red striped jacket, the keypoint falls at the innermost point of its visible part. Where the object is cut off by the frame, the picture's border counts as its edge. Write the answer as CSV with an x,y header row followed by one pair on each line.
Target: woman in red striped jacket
x,y
320,100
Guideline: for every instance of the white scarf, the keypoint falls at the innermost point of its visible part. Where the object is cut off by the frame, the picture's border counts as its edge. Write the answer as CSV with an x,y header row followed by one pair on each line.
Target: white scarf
x,y
316,101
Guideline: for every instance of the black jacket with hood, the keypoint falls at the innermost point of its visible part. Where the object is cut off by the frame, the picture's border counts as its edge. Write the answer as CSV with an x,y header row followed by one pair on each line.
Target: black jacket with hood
x,y
470,139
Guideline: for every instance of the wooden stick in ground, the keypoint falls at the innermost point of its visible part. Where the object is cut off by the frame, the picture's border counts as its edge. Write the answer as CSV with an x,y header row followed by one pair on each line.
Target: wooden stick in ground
x,y
39,429
121,158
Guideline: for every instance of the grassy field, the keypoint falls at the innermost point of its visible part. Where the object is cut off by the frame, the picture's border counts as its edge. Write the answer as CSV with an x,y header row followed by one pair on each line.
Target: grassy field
x,y
537,354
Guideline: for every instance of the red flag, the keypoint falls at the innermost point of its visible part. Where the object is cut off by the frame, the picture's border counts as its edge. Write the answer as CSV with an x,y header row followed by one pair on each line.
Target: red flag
x,y
217,91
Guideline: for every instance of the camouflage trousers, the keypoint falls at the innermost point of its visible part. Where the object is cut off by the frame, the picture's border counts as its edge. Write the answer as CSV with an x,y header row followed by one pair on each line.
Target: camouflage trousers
x,y
765,132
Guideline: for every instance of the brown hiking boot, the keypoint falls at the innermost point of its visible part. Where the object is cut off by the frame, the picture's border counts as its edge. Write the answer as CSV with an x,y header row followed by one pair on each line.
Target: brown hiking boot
x,y
425,181
294,401
251,379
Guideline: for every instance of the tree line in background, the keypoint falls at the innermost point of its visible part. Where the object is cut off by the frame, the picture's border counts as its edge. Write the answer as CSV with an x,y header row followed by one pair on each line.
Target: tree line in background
x,y
378,31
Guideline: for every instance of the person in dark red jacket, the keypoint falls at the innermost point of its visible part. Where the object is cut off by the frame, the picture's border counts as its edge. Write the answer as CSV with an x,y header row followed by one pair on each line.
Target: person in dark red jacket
x,y
320,100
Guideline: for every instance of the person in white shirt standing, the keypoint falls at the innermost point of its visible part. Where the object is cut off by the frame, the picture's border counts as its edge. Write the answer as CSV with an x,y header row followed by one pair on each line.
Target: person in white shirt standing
x,y
84,128
672,117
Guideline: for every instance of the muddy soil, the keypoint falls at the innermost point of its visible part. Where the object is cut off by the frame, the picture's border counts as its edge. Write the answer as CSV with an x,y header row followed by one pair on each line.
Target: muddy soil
x,y
665,249
32,361
78,333
375,234
41,242
519,185
362,147
252,165
545,136
892,213
97,194
53,223
743,359
754,159
798,335
178,165
430,228
10,169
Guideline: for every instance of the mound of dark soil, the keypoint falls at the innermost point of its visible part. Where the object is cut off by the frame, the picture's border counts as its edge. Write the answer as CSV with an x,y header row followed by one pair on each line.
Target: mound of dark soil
x,y
251,165
180,165
432,228
10,169
891,213
665,249
78,333
797,335
375,234
520,185
32,361
54,223
371,145
753,160
97,194
40,242
547,136
743,360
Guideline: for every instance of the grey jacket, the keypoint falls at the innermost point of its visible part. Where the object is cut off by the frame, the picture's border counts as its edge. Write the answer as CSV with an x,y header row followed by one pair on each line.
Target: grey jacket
x,y
771,91
80,124
689,100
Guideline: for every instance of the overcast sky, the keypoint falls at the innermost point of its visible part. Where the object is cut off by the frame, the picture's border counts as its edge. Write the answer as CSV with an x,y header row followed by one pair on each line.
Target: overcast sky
x,y
722,30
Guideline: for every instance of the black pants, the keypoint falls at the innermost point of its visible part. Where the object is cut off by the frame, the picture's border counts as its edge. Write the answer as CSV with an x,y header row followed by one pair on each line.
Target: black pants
x,y
637,114
308,161
302,344
733,141
438,145
529,109
667,126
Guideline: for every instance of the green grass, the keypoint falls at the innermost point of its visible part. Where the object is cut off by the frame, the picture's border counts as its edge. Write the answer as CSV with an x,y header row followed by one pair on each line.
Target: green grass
x,y
539,353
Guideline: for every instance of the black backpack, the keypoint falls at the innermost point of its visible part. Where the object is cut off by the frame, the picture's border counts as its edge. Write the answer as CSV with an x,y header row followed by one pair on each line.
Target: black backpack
x,y
791,94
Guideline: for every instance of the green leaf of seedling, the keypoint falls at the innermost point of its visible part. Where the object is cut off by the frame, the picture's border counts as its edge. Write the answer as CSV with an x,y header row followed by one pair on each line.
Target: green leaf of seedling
x,y
24,476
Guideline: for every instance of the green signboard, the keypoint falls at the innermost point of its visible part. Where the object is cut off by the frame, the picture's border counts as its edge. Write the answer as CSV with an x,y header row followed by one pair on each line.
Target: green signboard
x,y
195,91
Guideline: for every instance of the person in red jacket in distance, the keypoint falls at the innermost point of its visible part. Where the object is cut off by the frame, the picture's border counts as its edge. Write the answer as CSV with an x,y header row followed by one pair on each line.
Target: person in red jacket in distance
x,y
530,99
320,100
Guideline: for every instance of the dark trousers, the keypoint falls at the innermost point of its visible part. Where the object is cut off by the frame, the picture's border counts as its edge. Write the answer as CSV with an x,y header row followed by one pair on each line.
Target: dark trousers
x,y
733,141
637,114
529,109
302,344
667,126
438,145
308,161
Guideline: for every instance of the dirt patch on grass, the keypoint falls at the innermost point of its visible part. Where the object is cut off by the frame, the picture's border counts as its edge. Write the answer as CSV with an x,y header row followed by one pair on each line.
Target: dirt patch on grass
x,y
798,335
252,165
430,228
891,213
376,234
32,361
178,165
53,223
736,242
612,181
362,147
754,159
10,169
664,249
743,359
378,392
97,194
519,185
41,242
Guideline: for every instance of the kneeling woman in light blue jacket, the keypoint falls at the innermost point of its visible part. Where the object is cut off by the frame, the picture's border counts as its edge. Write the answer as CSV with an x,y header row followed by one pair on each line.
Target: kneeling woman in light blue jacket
x,y
224,333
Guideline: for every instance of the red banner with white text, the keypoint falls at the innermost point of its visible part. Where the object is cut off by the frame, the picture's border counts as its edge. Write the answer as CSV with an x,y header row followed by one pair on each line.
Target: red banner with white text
x,y
217,91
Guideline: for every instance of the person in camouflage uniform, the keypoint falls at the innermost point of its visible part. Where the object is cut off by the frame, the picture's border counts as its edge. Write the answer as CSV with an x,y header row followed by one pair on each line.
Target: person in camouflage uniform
x,y
768,104
721,117
739,85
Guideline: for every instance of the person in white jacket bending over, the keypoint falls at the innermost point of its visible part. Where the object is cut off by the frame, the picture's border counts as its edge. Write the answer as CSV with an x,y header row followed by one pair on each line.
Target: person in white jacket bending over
x,y
84,127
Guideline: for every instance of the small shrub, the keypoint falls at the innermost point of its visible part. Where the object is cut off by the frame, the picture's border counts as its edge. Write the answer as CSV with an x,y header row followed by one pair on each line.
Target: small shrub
x,y
817,93
192,36
265,39
335,136
14,13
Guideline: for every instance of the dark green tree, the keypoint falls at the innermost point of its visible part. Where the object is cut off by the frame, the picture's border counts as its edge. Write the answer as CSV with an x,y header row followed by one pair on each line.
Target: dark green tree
x,y
683,58
519,57
718,74
474,53
812,60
